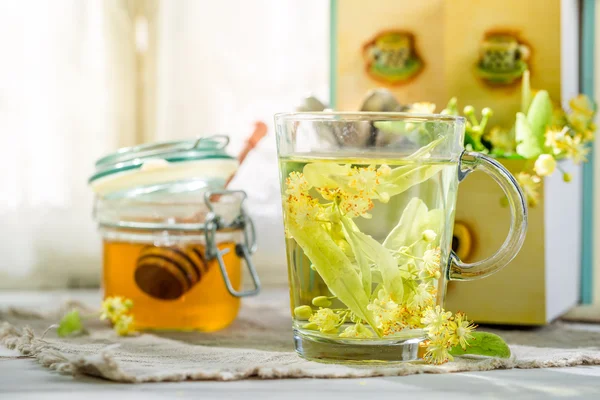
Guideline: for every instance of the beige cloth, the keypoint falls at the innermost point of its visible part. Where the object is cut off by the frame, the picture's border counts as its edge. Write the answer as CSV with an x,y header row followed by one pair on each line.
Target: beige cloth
x,y
257,345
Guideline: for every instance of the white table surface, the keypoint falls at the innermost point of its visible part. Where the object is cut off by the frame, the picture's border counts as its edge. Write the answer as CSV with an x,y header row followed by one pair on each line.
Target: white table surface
x,y
24,378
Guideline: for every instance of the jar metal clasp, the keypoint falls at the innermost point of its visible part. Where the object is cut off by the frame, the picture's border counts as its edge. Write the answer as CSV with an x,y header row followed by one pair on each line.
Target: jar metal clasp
x,y
243,250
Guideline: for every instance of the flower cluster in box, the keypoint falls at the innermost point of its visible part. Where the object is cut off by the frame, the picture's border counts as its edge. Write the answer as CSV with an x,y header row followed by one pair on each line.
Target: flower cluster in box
x,y
544,132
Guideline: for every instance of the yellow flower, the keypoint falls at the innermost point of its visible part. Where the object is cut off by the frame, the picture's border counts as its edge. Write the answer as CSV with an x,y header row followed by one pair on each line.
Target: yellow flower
x,y
114,307
329,193
530,185
501,139
124,325
435,320
576,148
431,258
555,139
437,351
581,117
581,104
357,331
412,318
297,185
304,209
422,107
357,205
364,180
325,319
460,330
430,272
544,165
300,206
388,314
422,296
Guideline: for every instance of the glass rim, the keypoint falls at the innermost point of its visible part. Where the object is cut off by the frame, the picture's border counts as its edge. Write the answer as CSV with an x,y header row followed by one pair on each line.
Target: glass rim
x,y
367,116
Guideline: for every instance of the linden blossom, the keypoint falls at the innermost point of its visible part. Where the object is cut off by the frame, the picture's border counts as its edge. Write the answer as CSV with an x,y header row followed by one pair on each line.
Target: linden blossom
x,y
320,204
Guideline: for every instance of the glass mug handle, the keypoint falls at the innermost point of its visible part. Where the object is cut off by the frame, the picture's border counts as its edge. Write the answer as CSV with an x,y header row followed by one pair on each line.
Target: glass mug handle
x,y
460,271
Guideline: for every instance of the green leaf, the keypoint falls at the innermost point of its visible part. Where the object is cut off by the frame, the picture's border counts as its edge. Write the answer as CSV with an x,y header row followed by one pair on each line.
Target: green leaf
x,y
405,177
484,344
381,257
527,144
530,132
424,151
408,228
320,174
540,114
70,324
363,263
334,267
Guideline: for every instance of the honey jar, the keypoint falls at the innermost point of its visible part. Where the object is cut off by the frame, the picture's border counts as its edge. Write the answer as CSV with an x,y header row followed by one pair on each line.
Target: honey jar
x,y
174,238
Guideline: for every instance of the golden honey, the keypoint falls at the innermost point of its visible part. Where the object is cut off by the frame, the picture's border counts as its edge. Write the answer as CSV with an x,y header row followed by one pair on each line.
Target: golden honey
x,y
199,301
173,236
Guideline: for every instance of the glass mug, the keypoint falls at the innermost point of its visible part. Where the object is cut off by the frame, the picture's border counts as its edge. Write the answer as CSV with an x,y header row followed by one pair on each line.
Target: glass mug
x,y
369,202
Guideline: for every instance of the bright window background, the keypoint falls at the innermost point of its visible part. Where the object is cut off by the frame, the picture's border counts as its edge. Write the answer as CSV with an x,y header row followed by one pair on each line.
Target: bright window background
x,y
79,79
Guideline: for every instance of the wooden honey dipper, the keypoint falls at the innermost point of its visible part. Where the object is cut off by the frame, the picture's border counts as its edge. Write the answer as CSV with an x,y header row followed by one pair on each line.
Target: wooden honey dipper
x,y
167,273
260,131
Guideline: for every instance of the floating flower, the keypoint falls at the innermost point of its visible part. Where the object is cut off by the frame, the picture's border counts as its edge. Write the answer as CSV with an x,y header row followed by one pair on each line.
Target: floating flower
x,y
325,319
329,193
460,330
305,210
297,185
388,314
364,180
357,205
422,296
435,320
432,258
357,331
530,185
412,318
544,165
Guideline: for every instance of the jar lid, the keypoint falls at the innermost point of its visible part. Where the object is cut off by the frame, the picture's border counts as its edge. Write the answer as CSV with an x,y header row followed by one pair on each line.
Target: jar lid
x,y
154,164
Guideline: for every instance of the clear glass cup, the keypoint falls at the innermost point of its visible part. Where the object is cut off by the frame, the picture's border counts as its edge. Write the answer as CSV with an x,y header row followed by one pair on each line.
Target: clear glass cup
x,y
369,202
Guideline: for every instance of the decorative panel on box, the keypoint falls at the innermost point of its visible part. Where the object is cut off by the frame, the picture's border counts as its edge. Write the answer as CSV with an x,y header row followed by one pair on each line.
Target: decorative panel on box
x,y
432,50
476,51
